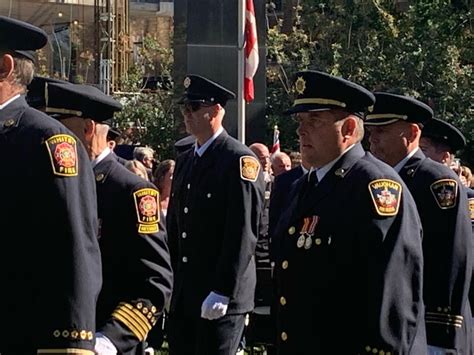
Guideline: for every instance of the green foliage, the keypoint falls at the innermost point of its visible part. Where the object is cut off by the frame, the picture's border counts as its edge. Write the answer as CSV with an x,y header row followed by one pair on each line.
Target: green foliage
x,y
426,51
148,115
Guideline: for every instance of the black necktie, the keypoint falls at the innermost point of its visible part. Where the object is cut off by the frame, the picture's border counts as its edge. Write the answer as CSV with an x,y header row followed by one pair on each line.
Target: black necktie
x,y
312,178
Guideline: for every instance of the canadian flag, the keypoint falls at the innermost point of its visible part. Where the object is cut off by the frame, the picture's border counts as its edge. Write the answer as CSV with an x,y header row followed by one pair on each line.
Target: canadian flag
x,y
251,50
276,141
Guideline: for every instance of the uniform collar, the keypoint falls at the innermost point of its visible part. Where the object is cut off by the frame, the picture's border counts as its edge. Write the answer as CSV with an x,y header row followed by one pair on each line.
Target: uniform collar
x,y
9,101
322,171
101,156
402,162
202,149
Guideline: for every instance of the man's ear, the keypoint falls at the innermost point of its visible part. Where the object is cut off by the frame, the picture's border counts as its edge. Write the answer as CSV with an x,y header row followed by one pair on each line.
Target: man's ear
x,y
415,132
89,128
7,66
348,127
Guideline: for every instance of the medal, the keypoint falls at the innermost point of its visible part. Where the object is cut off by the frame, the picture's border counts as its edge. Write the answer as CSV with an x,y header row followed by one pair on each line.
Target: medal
x,y
300,241
308,242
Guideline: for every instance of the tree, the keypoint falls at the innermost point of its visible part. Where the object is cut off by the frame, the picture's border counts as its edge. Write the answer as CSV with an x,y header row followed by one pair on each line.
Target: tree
x,y
148,113
426,51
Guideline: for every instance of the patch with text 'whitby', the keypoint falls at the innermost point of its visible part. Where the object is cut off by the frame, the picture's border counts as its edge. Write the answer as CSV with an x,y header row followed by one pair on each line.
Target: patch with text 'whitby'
x,y
148,214
386,196
445,192
62,151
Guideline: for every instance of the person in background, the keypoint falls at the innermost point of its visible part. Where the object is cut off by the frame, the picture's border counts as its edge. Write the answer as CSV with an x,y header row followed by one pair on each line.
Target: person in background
x,y
281,162
135,258
212,220
395,125
50,267
112,137
351,225
295,158
136,167
163,178
146,156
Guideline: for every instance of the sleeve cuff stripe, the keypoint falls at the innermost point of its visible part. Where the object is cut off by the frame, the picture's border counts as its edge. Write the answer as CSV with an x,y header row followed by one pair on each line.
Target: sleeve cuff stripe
x,y
443,315
456,325
65,351
136,311
137,317
133,328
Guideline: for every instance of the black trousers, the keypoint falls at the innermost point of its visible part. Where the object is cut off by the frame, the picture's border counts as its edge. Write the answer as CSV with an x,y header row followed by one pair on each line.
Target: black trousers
x,y
198,336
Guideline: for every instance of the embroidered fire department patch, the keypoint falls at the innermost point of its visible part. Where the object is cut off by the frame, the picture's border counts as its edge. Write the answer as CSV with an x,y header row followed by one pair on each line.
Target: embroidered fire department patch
x,y
386,196
471,208
63,154
445,193
249,168
148,212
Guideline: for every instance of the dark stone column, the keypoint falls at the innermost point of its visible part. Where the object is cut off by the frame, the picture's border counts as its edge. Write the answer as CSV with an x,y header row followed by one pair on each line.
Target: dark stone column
x,y
205,43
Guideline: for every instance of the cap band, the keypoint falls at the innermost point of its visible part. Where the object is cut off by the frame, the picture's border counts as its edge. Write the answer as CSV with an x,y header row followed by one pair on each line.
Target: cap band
x,y
319,101
63,111
385,115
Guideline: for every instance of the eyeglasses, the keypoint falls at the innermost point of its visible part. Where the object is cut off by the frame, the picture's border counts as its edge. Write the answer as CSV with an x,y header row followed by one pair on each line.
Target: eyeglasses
x,y
192,107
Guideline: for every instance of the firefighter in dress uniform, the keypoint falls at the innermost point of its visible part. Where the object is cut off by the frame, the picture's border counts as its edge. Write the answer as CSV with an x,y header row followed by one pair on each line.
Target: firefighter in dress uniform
x,y
50,267
135,259
349,265
395,127
213,217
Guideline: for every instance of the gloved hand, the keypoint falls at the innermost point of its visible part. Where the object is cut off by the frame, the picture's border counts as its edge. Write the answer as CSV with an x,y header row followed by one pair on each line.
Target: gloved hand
x,y
214,306
103,345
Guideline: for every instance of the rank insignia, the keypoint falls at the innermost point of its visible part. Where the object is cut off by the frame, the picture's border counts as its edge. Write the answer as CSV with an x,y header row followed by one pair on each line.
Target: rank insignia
x,y
249,168
471,208
63,154
300,85
445,193
385,194
148,213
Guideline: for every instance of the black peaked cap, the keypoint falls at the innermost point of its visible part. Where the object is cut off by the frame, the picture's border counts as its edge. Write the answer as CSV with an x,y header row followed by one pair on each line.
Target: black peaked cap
x,y
200,89
21,37
36,93
390,108
318,91
444,132
80,100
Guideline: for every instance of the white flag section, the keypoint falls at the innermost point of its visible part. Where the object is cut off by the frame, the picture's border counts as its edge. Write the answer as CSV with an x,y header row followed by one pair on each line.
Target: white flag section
x,y
251,50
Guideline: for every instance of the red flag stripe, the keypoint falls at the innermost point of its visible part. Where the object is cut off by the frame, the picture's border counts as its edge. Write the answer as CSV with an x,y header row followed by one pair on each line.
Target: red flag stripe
x,y
251,50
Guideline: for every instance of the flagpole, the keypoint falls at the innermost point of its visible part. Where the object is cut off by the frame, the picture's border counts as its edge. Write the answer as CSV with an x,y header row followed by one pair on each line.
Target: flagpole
x,y
241,72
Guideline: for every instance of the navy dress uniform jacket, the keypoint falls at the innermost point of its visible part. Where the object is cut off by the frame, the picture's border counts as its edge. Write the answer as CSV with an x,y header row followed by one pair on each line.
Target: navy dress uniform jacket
x,y
442,205
50,268
212,225
349,274
136,263
280,191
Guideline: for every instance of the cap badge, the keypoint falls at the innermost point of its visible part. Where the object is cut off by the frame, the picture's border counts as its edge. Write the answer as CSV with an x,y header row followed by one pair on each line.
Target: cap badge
x,y
386,196
445,192
370,108
300,85
187,82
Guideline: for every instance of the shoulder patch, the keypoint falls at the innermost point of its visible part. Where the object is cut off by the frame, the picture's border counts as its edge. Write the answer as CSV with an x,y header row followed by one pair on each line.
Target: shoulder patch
x,y
471,208
445,192
62,151
386,195
148,211
249,168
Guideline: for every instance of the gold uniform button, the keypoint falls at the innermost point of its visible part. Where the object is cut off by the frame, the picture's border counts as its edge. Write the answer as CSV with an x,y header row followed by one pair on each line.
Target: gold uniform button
x,y
99,177
186,210
374,351
209,195
439,309
284,265
291,230
65,333
317,241
282,301
284,336
90,335
153,309
381,352
83,334
74,334
57,333
189,186
368,349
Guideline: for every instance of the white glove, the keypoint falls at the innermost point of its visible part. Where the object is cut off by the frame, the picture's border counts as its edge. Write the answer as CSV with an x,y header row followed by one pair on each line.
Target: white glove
x,y
103,345
214,306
